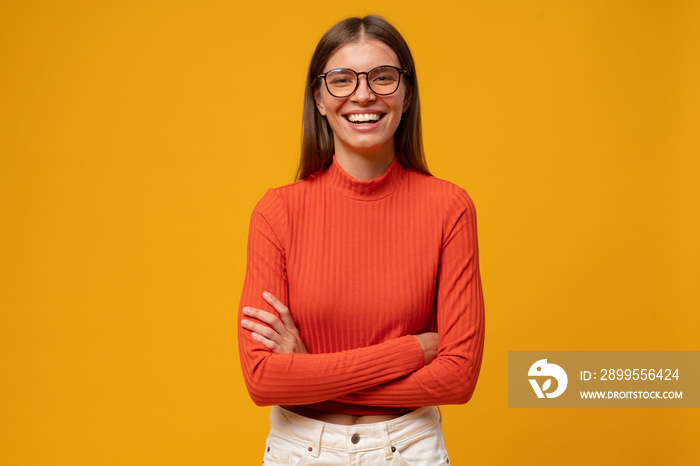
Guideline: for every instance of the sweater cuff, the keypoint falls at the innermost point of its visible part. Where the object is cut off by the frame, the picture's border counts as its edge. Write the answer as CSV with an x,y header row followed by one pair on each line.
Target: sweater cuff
x,y
414,352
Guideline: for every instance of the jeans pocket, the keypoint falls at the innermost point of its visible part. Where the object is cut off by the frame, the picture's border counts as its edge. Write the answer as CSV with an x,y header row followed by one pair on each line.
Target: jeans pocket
x,y
424,449
275,457
272,459
283,451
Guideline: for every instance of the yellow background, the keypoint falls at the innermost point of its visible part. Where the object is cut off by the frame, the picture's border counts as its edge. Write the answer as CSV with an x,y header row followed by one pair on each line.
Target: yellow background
x,y
136,136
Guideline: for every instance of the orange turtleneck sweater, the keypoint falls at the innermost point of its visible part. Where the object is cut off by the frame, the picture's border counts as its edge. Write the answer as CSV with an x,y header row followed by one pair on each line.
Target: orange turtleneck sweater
x,y
363,266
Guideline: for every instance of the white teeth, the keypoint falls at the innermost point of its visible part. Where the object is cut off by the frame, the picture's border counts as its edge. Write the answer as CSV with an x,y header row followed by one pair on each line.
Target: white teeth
x,y
357,117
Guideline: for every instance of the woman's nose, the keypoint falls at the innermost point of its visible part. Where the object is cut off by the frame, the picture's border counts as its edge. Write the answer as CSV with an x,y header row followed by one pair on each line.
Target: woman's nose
x,y
363,93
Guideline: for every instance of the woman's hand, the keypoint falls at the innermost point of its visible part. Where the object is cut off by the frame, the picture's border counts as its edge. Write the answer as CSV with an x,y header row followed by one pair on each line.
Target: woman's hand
x,y
429,344
279,336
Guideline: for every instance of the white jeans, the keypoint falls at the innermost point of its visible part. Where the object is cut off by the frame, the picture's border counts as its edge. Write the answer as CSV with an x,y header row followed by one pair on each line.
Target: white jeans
x,y
413,439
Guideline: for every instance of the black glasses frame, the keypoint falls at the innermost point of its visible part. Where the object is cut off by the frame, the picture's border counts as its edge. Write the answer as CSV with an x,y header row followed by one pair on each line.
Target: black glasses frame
x,y
357,79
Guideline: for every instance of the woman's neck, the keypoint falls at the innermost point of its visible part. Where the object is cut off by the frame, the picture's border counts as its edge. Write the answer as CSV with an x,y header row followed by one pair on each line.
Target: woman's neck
x,y
364,167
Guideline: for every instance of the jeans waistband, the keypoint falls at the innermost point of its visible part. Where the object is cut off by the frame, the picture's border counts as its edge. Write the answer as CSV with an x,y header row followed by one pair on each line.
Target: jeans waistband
x,y
358,437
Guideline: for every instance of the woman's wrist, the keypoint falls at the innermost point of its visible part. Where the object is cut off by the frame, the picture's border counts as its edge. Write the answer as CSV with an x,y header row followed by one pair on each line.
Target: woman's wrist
x,y
429,346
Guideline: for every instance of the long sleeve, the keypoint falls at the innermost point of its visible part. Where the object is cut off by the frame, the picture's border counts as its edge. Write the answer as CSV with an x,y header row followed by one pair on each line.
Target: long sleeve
x,y
304,378
363,266
451,377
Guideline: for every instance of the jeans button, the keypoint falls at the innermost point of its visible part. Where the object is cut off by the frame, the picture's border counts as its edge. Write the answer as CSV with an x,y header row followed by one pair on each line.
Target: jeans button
x,y
355,438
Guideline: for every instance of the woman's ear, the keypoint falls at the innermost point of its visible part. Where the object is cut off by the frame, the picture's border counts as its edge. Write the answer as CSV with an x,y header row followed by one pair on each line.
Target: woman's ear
x,y
406,99
319,102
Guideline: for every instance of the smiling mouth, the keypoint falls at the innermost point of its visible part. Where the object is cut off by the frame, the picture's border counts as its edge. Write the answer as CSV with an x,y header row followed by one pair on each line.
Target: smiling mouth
x,y
364,118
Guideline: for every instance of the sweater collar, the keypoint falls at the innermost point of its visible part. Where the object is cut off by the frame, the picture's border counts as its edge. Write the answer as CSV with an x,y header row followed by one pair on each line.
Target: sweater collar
x,y
369,190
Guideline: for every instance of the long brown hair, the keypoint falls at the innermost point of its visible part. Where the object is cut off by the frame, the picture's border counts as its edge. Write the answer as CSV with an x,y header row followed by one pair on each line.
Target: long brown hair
x,y
317,147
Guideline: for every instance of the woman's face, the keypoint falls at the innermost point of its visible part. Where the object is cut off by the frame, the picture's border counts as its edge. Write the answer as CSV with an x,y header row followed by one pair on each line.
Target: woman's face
x,y
368,138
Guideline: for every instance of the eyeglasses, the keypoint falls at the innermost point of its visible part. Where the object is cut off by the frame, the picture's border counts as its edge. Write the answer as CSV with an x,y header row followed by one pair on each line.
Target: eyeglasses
x,y
382,80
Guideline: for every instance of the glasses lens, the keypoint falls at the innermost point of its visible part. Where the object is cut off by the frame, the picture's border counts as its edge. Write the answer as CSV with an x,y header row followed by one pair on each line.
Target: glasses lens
x,y
383,80
341,83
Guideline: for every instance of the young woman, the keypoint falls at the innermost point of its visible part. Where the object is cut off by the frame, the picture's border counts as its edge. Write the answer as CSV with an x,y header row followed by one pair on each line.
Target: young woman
x,y
362,307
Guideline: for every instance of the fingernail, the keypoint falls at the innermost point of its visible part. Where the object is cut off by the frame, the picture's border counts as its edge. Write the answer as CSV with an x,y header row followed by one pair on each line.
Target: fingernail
x,y
246,310
266,294
244,322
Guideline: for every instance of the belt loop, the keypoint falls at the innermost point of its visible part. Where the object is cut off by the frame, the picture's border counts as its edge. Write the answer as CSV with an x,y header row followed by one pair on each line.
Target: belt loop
x,y
388,447
318,431
440,412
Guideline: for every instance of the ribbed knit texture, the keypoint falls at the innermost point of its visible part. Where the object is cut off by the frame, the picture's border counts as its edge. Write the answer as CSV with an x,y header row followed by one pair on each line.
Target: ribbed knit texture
x,y
363,266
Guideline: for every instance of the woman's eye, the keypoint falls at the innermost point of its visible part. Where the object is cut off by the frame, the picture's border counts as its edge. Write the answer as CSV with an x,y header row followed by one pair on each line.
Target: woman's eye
x,y
340,81
383,79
